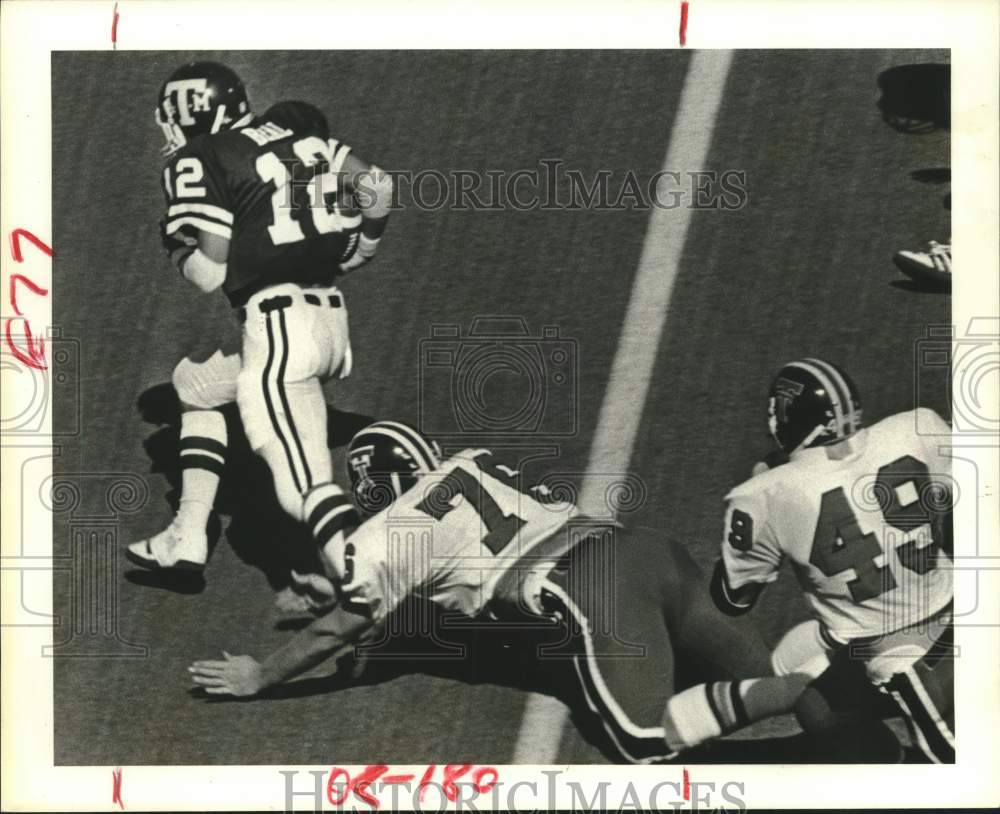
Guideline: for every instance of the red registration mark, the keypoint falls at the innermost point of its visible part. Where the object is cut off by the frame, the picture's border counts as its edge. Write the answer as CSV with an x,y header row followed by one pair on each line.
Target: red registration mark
x,y
116,788
32,352
340,785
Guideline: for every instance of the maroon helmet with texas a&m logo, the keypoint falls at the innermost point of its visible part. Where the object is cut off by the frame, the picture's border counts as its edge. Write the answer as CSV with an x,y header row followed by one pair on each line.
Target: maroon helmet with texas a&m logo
x,y
200,98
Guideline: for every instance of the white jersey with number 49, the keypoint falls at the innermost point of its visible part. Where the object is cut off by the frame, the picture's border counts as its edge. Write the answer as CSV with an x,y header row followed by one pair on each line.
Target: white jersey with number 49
x,y
448,539
861,522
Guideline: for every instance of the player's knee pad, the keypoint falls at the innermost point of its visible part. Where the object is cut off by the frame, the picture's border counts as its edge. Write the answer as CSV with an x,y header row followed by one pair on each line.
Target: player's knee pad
x,y
207,384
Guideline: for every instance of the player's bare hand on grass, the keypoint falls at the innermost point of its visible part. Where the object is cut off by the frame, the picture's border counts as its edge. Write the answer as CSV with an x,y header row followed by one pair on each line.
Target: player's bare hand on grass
x,y
308,593
235,675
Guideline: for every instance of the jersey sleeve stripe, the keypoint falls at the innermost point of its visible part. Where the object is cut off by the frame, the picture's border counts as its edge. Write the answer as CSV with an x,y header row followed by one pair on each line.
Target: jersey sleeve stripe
x,y
722,593
208,217
214,212
205,225
724,584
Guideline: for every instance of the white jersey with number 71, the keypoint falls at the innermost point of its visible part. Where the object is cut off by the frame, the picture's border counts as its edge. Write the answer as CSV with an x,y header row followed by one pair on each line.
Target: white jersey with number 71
x,y
448,539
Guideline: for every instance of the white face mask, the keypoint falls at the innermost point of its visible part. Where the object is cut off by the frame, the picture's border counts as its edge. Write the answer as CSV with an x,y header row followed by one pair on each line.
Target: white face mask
x,y
772,418
175,135
172,133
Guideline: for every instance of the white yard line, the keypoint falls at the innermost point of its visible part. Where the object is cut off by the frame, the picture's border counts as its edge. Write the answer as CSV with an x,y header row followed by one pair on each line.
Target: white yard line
x,y
621,411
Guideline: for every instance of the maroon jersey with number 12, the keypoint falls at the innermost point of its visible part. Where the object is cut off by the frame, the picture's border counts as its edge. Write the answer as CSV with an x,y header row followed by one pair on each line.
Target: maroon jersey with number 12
x,y
270,188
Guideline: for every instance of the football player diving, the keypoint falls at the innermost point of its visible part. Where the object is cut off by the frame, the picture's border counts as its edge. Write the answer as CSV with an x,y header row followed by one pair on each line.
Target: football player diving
x,y
467,534
272,210
864,516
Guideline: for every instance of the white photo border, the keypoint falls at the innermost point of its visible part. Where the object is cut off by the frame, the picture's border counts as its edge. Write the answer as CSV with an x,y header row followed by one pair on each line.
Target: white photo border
x,y
33,30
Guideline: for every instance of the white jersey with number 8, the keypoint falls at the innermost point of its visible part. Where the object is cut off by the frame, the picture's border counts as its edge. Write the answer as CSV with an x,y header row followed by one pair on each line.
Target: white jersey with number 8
x,y
861,521
448,539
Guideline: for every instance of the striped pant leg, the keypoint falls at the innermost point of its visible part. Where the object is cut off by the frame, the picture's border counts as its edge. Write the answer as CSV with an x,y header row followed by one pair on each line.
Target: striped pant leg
x,y
924,696
625,685
282,405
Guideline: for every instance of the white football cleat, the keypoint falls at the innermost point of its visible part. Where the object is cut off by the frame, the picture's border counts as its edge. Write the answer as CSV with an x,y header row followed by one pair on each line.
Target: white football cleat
x,y
170,551
933,265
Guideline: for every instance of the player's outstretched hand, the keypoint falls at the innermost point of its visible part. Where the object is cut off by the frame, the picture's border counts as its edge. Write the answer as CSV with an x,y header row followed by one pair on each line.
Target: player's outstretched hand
x,y
236,675
308,593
